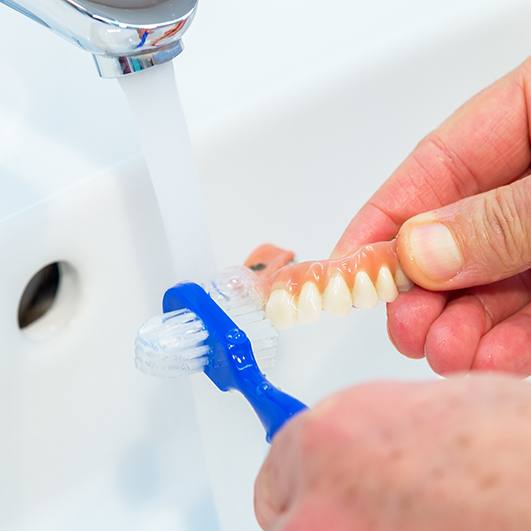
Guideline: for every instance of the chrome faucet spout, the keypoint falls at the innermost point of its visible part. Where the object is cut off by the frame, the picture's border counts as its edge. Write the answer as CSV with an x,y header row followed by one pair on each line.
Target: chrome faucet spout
x,y
124,36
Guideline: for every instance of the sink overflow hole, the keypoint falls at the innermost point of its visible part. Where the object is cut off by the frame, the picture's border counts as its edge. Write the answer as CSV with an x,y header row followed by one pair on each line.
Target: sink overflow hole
x,y
39,295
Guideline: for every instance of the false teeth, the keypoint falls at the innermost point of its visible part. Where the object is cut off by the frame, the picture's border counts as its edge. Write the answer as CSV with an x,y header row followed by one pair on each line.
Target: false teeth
x,y
385,285
336,298
402,282
310,303
364,293
281,309
369,274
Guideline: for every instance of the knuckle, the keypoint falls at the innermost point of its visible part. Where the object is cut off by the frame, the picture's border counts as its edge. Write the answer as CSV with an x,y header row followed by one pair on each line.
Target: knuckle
x,y
504,227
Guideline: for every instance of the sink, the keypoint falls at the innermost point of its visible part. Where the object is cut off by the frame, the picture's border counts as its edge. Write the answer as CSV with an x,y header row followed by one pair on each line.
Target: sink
x,y
293,129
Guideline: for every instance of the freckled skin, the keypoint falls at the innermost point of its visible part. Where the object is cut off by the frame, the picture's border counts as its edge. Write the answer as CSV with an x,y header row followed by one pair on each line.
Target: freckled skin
x,y
438,456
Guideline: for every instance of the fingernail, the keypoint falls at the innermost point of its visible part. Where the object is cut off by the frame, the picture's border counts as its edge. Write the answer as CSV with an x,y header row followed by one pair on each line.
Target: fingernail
x,y
435,252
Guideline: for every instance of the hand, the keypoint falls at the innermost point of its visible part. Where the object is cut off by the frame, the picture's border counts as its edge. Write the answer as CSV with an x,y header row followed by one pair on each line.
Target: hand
x,y
443,455
472,171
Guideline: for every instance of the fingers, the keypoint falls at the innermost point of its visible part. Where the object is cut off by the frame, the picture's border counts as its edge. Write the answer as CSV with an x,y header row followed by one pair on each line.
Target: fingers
x,y
452,344
478,240
453,338
410,317
452,335
484,145
507,347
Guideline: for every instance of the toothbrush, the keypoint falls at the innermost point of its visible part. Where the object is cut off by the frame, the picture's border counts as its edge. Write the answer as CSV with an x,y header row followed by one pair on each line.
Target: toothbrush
x,y
195,333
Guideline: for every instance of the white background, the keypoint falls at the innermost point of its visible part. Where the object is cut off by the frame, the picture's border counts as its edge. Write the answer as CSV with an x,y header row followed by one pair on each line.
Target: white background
x,y
298,110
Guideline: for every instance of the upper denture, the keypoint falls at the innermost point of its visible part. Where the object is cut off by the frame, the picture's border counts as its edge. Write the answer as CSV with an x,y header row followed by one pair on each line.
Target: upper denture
x,y
298,291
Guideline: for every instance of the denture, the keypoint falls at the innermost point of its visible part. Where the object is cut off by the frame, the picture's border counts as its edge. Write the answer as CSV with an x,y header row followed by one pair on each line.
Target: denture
x,y
297,293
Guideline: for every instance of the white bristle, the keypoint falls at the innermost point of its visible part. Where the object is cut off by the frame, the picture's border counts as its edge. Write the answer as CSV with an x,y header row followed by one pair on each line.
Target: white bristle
x,y
173,344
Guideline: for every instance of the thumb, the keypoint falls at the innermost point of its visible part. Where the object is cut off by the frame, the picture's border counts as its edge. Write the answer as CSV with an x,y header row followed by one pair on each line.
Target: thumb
x,y
478,240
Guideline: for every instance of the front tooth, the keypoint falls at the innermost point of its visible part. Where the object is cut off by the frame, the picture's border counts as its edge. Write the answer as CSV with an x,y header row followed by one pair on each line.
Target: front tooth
x,y
281,309
402,282
364,293
385,285
336,298
310,303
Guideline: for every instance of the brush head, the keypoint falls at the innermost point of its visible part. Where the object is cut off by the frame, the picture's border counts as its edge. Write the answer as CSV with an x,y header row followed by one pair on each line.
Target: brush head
x,y
172,344
175,343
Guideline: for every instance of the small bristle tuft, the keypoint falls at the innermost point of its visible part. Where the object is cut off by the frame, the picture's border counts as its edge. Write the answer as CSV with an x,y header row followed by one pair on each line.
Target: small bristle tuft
x,y
172,344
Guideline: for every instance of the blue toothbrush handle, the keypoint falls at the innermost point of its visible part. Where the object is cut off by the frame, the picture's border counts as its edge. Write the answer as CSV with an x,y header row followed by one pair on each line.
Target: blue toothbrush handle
x,y
272,406
232,364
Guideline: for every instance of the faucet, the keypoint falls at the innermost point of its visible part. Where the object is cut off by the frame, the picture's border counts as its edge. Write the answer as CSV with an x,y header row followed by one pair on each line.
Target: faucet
x,y
124,36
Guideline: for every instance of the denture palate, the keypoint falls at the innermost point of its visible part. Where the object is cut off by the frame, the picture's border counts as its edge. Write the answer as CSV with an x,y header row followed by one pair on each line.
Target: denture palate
x,y
267,259
298,292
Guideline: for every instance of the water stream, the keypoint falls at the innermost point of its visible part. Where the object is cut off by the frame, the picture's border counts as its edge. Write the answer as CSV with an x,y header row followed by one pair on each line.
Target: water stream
x,y
157,113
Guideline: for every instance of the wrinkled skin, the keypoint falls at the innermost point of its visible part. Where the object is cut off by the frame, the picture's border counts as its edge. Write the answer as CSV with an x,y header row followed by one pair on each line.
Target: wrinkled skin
x,y
438,456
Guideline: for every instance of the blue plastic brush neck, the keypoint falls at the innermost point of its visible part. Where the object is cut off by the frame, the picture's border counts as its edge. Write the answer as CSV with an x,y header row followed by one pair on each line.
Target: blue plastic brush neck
x,y
231,363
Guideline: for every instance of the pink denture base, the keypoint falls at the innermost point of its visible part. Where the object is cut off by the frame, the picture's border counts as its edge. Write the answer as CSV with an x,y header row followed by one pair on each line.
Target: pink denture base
x,y
369,258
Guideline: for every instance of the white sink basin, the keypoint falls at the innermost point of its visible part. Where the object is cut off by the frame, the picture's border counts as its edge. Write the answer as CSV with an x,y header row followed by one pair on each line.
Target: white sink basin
x,y
295,121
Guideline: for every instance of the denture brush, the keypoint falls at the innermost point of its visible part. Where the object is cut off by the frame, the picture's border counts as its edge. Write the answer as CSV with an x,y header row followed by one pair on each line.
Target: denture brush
x,y
201,329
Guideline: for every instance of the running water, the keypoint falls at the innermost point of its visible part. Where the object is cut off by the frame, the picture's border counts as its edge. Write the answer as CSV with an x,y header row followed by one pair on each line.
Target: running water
x,y
157,113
